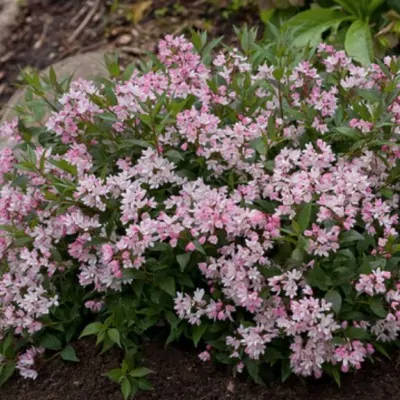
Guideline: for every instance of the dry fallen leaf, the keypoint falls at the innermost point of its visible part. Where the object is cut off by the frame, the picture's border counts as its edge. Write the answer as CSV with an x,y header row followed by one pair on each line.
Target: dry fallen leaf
x,y
123,40
266,4
231,387
139,10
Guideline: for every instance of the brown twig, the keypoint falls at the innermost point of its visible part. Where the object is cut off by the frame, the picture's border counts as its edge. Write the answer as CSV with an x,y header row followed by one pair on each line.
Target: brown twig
x,y
79,14
85,22
38,44
178,30
132,50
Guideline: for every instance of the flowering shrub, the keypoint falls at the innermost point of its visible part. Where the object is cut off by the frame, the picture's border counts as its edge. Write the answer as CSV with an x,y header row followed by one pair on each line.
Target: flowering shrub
x,y
247,201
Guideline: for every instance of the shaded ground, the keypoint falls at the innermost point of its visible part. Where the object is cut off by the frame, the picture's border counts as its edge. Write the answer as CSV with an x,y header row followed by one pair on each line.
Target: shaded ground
x,y
179,375
48,31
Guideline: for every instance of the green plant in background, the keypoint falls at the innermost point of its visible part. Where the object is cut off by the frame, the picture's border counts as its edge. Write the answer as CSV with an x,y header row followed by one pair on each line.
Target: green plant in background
x,y
268,10
365,27
277,10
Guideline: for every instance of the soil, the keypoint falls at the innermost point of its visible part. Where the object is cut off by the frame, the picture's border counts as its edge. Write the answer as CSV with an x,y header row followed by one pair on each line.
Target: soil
x,y
180,375
47,31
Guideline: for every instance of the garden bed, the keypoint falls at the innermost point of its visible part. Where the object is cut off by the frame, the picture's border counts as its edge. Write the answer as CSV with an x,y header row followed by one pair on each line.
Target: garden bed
x,y
48,31
180,375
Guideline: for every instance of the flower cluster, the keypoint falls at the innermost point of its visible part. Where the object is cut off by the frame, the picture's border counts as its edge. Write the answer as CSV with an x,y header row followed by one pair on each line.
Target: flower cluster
x,y
256,197
26,362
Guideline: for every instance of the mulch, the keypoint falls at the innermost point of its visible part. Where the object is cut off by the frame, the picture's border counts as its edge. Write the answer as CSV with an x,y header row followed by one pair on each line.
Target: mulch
x,y
180,375
48,31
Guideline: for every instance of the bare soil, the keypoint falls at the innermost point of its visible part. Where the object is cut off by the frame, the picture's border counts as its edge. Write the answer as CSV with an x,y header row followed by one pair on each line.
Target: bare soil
x,y
180,375
47,31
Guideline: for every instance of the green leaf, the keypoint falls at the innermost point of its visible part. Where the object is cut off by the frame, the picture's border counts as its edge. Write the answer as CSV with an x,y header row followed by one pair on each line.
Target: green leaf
x,y
126,388
267,14
350,133
112,65
354,315
52,77
22,241
357,333
207,50
388,193
174,156
126,365
198,332
358,42
350,6
304,217
146,119
6,373
7,343
259,145
160,246
168,285
381,350
12,229
144,384
335,299
115,336
317,277
183,260
377,307
68,354
136,143
272,354
297,255
92,329
199,247
172,319
394,4
308,26
65,166
51,342
253,369
350,237
115,375
128,72
286,370
374,4
140,372
333,371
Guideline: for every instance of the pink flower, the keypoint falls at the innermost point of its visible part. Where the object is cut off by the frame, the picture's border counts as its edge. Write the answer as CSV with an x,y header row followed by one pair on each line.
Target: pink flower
x,y
190,247
26,362
373,283
94,305
205,356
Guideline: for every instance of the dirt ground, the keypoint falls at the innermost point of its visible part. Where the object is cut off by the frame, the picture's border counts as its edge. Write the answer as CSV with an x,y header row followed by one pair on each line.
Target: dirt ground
x,y
47,31
180,375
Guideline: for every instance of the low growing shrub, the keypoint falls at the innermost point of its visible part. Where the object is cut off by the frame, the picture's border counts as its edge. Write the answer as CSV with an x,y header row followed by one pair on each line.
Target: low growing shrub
x,y
245,200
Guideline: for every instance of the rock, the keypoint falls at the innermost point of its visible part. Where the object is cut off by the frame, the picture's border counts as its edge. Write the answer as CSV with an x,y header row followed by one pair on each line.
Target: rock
x,y
86,66
123,40
8,16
